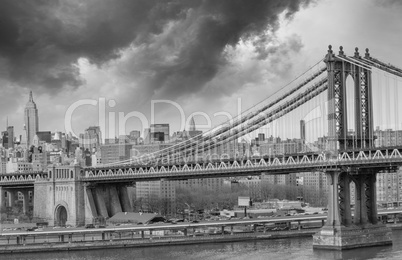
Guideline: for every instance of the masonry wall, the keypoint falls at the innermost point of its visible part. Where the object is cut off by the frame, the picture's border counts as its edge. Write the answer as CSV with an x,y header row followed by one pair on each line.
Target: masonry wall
x,y
80,203
62,188
65,196
43,200
88,214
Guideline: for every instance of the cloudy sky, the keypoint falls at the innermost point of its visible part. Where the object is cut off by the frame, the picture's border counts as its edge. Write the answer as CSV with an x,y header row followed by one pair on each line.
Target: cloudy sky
x,y
206,56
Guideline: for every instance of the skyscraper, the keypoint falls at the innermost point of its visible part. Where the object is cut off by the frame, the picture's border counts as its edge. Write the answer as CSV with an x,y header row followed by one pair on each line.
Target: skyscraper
x,y
303,130
157,133
31,119
23,137
10,131
4,139
92,138
192,124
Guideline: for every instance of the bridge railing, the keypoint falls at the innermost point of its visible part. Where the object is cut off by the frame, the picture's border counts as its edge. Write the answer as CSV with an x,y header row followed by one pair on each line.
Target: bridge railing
x,y
276,165
22,177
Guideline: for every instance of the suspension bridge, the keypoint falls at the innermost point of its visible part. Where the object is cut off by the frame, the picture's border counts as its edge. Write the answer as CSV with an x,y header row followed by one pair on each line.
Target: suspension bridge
x,y
326,120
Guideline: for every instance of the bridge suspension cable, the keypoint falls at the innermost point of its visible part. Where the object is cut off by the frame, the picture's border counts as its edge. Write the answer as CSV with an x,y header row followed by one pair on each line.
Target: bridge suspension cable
x,y
244,117
274,111
240,125
269,117
383,66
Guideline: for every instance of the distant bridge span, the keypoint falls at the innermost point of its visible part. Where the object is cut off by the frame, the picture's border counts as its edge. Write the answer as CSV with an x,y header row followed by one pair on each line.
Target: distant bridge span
x,y
351,161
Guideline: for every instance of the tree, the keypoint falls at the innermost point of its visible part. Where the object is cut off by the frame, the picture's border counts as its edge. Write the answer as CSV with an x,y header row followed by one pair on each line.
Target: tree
x,y
138,204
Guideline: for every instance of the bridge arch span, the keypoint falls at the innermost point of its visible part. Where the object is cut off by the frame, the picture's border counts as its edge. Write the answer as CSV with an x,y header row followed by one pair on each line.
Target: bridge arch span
x,y
61,213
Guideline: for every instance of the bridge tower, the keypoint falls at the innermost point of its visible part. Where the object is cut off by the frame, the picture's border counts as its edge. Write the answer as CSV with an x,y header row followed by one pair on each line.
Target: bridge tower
x,y
339,68
59,199
63,198
341,230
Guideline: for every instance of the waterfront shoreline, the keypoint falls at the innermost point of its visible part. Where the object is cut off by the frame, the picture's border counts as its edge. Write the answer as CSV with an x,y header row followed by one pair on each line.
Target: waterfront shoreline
x,y
158,241
131,243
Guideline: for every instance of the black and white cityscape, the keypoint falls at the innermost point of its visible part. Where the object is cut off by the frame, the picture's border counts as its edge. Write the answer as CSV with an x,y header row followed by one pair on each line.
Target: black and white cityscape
x,y
200,129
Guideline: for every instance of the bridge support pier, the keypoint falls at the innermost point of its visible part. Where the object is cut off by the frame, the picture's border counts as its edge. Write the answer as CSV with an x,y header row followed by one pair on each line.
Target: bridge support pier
x,y
124,198
2,200
11,198
91,200
340,232
25,202
100,203
115,206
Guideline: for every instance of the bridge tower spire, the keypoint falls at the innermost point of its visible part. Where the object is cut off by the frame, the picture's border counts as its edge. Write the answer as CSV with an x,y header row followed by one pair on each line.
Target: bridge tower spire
x,y
339,67
341,230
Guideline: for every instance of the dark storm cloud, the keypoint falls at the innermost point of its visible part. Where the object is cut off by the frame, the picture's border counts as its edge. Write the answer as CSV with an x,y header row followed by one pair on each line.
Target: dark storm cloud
x,y
40,41
388,3
203,34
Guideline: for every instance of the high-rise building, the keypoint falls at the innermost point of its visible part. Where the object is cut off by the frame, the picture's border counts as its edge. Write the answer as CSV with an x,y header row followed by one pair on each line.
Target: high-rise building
x,y
92,138
388,189
207,183
181,136
10,131
3,164
18,166
4,139
157,133
315,188
280,179
303,130
134,137
40,160
228,149
115,152
388,184
192,125
31,119
45,136
157,196
276,146
24,138
388,137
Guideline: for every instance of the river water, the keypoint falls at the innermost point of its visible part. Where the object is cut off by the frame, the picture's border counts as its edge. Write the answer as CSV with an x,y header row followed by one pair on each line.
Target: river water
x,y
292,248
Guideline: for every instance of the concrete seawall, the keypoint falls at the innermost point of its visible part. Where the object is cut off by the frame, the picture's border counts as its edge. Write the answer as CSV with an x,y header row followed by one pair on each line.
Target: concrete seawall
x,y
162,241
157,241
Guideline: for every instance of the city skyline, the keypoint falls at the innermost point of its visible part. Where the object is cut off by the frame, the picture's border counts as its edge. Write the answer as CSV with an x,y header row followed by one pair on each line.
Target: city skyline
x,y
147,112
247,71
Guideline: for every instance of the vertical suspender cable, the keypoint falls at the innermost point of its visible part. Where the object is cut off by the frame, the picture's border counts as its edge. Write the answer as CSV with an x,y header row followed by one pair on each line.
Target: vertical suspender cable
x,y
396,128
387,100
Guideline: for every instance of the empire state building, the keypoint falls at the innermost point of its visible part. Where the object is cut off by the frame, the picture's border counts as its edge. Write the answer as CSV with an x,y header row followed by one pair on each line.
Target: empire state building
x,y
31,119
